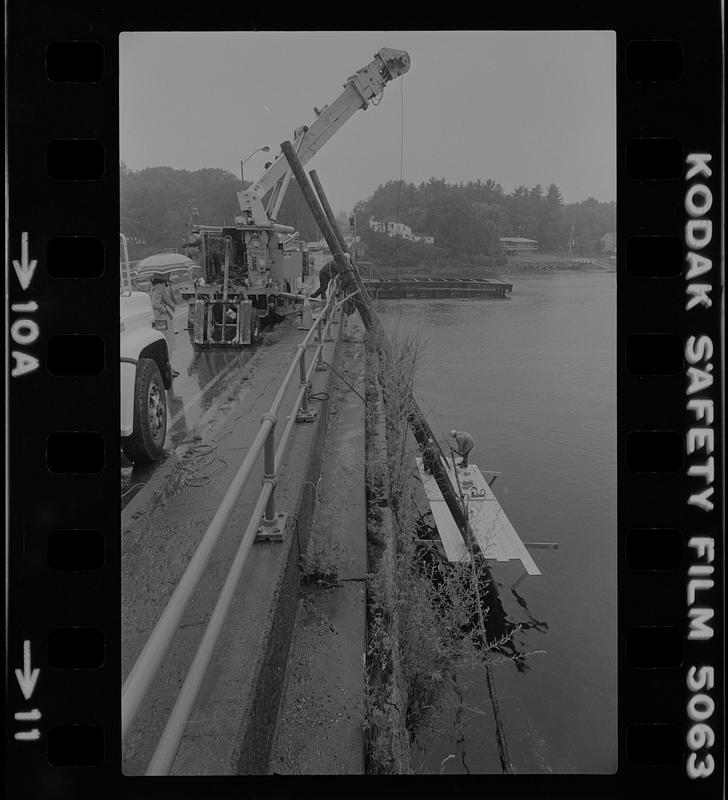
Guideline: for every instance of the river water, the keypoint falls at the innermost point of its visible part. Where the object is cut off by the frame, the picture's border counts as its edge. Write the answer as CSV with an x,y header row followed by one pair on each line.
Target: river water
x,y
533,379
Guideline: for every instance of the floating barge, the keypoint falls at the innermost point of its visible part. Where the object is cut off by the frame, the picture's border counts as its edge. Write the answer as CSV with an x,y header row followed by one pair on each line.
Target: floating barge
x,y
494,534
437,287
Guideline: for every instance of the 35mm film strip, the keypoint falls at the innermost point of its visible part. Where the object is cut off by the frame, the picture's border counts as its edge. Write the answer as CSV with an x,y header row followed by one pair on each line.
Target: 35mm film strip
x,y
64,652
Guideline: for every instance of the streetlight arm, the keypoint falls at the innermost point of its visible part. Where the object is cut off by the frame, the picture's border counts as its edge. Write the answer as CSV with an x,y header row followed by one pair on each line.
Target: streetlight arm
x,y
264,149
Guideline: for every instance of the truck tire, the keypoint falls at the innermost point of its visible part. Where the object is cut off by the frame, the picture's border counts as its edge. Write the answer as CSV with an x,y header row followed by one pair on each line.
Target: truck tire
x,y
150,415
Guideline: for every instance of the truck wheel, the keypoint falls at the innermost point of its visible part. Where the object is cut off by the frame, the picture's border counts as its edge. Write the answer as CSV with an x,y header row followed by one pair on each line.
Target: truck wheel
x,y
150,415
254,327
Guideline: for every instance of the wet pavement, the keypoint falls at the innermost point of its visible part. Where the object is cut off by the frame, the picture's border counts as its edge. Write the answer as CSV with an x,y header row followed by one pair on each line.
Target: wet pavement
x,y
206,379
162,527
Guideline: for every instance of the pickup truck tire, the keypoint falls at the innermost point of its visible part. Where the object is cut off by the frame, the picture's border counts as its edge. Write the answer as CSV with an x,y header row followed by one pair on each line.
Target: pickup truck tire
x,y
150,415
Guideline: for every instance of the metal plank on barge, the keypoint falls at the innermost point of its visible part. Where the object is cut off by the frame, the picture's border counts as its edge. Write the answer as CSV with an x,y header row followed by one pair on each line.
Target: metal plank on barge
x,y
455,548
496,536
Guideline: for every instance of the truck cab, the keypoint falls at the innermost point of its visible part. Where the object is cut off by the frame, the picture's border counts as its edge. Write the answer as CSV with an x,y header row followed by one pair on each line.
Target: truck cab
x,y
145,373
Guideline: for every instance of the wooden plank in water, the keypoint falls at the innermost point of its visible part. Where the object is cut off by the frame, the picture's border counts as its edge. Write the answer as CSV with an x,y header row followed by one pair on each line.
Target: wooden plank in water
x,y
452,542
525,557
493,524
480,515
490,524
496,536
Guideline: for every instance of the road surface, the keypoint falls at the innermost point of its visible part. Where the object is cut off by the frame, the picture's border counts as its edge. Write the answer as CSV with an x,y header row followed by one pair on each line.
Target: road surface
x,y
207,381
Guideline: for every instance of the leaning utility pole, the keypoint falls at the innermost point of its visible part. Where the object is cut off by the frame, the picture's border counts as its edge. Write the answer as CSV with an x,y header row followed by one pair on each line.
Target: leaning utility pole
x,y
349,277
332,220
351,280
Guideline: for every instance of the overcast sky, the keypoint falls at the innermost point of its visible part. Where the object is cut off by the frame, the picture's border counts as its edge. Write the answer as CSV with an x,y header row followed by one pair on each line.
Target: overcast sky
x,y
517,107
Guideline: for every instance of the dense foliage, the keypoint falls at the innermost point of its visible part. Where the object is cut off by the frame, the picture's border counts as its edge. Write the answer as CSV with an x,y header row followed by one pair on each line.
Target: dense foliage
x,y
156,204
469,218
466,219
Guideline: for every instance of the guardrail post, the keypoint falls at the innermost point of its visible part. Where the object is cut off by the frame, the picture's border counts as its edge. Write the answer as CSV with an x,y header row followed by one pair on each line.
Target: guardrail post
x,y
327,330
302,376
320,365
273,524
304,414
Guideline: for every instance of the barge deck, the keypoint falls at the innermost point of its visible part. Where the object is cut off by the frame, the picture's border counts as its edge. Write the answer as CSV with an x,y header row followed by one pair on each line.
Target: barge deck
x,y
438,287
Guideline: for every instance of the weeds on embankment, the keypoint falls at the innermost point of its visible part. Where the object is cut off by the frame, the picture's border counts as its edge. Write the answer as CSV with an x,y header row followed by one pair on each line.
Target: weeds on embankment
x,y
425,618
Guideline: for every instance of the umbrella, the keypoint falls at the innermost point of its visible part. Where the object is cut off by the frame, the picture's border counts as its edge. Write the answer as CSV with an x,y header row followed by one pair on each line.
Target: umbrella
x,y
163,265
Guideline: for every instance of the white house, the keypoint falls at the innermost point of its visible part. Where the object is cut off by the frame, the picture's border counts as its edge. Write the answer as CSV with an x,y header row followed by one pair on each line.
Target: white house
x,y
395,228
392,227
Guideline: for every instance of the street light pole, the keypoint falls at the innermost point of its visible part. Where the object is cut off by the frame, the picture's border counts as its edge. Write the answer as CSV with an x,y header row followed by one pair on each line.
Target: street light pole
x,y
264,149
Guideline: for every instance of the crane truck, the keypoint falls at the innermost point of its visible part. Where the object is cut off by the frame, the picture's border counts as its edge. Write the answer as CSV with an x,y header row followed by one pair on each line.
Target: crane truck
x,y
252,269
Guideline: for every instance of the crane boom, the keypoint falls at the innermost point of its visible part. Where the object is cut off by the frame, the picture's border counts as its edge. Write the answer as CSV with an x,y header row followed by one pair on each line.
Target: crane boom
x,y
359,89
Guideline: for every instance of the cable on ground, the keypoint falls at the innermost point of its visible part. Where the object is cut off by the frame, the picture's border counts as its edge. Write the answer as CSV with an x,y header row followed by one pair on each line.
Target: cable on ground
x,y
343,379
193,476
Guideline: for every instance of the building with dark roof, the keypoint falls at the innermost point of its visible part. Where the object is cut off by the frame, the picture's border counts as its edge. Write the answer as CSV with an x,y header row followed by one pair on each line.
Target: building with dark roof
x,y
518,245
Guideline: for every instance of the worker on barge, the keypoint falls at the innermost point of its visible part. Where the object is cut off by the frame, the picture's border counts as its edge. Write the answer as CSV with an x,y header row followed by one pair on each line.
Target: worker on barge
x,y
429,454
464,444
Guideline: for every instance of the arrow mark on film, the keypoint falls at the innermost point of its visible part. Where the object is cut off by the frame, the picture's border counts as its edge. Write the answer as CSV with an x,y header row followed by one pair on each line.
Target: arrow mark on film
x,y
24,269
28,716
28,736
27,678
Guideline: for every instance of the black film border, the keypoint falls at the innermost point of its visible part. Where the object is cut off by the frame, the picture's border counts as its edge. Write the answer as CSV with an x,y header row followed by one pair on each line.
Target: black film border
x,y
669,119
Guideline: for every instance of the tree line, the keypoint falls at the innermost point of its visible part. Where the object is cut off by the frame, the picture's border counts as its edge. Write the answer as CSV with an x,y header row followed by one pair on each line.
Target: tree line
x,y
157,203
470,218
465,218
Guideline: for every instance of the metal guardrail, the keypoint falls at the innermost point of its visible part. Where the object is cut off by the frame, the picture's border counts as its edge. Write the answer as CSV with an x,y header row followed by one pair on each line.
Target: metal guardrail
x,y
145,669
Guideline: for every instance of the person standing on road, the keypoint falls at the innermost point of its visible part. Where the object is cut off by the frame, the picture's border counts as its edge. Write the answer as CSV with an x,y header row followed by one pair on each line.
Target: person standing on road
x,y
164,306
464,444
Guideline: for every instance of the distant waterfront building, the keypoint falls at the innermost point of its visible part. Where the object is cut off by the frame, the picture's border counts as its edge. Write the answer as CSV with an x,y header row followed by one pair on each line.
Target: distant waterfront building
x,y
609,242
423,237
518,245
376,226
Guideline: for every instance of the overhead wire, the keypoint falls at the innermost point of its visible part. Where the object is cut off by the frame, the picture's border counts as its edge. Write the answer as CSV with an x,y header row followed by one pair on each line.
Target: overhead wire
x,y
401,172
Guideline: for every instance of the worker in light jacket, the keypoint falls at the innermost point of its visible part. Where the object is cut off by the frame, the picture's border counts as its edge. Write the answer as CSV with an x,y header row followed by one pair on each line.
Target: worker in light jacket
x,y
164,306
464,444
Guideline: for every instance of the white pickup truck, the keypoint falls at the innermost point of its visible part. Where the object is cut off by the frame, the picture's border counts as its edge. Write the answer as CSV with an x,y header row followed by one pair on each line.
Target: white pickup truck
x,y
145,373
